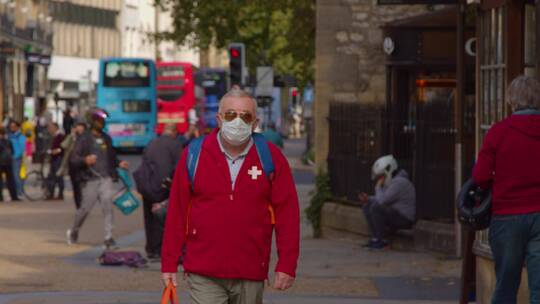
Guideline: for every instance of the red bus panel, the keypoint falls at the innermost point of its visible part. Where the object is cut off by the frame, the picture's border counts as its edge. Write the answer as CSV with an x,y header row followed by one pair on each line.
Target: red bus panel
x,y
175,94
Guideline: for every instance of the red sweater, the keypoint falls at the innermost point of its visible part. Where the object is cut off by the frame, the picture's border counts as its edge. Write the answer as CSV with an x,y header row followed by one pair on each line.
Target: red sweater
x,y
509,162
229,232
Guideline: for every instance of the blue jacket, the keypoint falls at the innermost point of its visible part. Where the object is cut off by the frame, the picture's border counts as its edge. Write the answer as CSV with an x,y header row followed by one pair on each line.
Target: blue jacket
x,y
18,140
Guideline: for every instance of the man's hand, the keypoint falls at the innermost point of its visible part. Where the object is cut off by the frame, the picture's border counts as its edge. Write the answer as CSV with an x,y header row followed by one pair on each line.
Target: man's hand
x,y
90,160
124,165
156,207
380,181
363,197
282,281
167,277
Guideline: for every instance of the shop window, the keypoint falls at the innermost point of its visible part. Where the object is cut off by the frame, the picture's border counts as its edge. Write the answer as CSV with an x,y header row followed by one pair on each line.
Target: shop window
x,y
492,80
530,40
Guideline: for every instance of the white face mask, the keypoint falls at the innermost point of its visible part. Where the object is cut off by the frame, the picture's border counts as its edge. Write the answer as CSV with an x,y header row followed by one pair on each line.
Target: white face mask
x,y
236,132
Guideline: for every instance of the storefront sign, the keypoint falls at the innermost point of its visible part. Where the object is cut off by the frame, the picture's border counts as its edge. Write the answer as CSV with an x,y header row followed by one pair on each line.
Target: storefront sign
x,y
470,47
7,49
32,57
38,58
45,60
405,2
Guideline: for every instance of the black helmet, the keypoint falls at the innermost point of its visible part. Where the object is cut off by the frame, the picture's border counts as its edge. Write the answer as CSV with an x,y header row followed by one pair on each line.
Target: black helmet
x,y
96,114
474,206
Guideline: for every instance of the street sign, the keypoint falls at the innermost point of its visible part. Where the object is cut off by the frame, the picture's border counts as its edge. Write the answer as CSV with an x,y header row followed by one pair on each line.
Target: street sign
x,y
404,2
265,81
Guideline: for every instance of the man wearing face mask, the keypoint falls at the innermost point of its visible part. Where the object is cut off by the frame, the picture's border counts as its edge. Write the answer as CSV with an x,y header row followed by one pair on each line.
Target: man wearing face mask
x,y
225,219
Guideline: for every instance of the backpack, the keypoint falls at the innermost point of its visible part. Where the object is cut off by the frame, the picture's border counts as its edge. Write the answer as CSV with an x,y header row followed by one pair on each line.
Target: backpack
x,y
261,144
119,258
194,150
149,182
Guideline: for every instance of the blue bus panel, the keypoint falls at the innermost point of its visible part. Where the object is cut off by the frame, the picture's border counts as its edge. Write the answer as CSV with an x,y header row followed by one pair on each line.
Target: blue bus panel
x,y
127,91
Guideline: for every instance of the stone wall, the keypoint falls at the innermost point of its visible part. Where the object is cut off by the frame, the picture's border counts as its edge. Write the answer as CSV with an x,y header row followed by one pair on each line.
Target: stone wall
x,y
349,57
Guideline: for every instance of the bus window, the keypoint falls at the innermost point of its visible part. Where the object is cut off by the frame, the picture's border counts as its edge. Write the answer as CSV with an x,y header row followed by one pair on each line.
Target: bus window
x,y
170,95
171,71
126,74
136,106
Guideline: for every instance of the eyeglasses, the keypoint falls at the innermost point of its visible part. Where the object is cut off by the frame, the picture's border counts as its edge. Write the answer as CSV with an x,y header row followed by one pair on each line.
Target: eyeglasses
x,y
232,115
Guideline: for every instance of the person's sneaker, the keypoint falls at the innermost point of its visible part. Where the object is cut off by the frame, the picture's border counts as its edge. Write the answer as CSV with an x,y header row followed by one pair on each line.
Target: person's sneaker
x,y
153,257
110,244
378,244
369,243
71,237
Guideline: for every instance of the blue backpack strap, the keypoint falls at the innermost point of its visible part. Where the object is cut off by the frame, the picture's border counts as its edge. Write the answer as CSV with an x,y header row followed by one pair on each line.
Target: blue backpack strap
x,y
194,150
264,154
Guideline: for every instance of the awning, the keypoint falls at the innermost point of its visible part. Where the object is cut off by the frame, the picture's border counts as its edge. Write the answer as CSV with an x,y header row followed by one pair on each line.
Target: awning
x,y
73,69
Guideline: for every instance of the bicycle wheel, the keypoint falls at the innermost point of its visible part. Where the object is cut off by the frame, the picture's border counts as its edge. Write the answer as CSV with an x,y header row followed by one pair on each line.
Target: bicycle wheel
x,y
35,186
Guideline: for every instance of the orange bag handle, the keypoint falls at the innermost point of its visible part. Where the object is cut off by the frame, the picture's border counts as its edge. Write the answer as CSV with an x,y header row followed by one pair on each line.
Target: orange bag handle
x,y
169,295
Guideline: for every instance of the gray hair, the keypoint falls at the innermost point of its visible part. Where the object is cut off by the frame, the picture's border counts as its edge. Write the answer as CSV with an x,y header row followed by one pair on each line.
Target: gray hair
x,y
238,93
524,93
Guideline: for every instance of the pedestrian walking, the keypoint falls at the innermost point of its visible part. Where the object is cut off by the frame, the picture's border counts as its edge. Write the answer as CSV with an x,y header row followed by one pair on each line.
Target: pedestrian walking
x,y
508,163
393,206
18,142
6,166
42,140
225,201
160,157
57,154
68,144
95,162
67,120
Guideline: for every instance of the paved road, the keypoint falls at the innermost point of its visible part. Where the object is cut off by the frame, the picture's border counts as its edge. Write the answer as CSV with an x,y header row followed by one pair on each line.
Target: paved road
x,y
37,266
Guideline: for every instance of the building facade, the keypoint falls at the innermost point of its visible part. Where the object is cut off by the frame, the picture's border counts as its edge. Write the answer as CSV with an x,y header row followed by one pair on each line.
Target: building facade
x,y
85,31
25,49
350,59
140,21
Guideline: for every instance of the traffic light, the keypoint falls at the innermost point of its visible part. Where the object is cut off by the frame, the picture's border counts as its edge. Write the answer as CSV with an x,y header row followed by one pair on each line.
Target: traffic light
x,y
294,96
236,63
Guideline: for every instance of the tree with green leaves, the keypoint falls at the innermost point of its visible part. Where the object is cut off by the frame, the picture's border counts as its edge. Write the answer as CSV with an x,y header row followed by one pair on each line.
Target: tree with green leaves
x,y
279,33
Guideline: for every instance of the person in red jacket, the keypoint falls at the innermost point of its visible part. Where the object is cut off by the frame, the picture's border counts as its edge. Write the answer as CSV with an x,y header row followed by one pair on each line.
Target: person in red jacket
x,y
509,164
222,225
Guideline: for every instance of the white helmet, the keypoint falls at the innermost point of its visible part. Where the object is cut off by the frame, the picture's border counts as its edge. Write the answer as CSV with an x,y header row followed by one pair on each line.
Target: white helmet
x,y
385,165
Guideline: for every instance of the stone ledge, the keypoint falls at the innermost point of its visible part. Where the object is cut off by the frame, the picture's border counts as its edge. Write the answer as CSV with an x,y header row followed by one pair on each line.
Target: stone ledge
x,y
342,217
339,220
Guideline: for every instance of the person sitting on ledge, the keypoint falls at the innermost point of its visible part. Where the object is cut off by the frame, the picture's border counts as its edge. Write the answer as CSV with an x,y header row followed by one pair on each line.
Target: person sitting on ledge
x,y
393,206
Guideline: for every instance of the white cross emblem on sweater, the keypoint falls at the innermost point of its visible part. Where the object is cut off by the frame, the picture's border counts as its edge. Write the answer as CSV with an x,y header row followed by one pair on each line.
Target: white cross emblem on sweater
x,y
254,172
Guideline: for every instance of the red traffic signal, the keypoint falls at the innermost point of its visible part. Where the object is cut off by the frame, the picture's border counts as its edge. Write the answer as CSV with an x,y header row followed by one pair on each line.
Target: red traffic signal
x,y
235,53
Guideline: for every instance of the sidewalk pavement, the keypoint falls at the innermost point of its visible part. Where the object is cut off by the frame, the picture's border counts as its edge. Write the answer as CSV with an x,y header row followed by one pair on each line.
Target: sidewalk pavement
x,y
37,265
